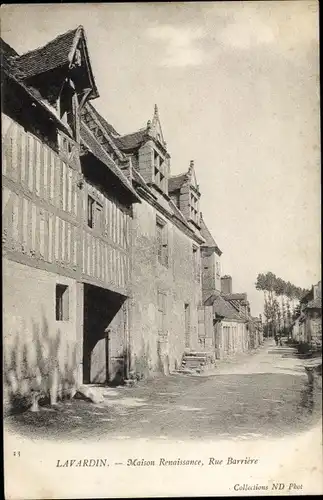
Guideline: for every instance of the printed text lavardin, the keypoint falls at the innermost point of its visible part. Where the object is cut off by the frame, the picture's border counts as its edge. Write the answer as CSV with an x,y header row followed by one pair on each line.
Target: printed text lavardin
x,y
85,462
141,462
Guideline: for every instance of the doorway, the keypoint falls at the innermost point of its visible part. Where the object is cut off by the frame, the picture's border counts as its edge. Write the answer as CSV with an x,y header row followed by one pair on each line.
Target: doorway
x,y
103,334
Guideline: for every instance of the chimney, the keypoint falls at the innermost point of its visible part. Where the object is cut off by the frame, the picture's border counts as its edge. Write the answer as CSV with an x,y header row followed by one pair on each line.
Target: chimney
x,y
226,284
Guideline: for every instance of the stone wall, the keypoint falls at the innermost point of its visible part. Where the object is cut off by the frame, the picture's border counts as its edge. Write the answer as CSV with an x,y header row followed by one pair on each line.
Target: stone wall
x,y
39,352
150,351
231,338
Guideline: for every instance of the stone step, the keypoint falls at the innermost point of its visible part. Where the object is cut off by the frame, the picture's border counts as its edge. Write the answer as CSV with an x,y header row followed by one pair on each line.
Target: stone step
x,y
193,366
195,358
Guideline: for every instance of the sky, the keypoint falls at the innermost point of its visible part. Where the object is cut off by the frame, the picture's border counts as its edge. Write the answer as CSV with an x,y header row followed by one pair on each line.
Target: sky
x,y
237,88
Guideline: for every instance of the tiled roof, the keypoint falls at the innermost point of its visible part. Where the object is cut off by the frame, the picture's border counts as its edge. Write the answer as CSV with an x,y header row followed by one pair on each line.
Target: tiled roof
x,y
7,52
34,94
315,303
235,296
209,240
7,49
50,56
107,127
176,181
222,308
96,149
131,141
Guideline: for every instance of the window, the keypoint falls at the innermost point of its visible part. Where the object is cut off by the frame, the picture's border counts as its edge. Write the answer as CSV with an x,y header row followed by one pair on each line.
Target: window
x,y
90,211
162,246
161,306
218,269
159,172
98,219
194,208
62,306
196,263
95,218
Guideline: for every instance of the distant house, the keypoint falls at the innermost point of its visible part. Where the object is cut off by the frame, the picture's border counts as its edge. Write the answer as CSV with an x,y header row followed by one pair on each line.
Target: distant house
x,y
307,326
230,332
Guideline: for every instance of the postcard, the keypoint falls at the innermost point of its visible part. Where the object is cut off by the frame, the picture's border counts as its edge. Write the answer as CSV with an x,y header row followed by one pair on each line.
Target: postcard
x,y
162,311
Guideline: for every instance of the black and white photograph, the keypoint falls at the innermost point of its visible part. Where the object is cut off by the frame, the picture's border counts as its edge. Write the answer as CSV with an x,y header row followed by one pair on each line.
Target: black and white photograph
x,y
161,249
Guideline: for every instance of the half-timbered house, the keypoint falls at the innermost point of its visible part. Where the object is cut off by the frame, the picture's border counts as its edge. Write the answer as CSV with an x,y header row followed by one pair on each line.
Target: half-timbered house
x,y
66,223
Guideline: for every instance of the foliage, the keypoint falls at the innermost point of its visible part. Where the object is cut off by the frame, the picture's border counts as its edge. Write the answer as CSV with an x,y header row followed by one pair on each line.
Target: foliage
x,y
279,315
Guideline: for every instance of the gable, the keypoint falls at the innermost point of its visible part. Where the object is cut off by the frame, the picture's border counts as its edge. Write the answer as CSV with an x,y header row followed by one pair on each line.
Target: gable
x,y
155,129
80,62
67,51
192,177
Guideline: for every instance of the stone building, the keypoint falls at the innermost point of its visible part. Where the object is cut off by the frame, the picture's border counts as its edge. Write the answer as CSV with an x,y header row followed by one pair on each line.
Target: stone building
x,y
108,263
239,301
102,245
229,327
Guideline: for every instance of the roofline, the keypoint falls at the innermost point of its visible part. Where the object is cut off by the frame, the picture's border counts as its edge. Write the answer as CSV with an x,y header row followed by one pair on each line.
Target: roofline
x,y
214,247
81,32
125,182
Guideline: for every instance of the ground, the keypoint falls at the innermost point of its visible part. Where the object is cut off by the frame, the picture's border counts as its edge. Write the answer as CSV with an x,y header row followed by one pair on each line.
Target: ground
x,y
262,394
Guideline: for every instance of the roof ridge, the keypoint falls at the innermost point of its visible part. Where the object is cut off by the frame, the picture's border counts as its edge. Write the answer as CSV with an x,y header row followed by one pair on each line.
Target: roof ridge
x,y
106,157
132,133
178,175
50,41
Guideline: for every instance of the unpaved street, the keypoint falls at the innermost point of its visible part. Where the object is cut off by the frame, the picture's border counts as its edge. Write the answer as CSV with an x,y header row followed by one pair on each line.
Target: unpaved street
x,y
261,395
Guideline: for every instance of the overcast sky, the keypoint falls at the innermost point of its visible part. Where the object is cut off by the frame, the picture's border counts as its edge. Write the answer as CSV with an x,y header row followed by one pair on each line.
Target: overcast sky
x,y
237,89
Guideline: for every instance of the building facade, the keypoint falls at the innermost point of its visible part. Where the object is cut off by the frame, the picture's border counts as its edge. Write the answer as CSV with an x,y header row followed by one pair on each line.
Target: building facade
x,y
110,271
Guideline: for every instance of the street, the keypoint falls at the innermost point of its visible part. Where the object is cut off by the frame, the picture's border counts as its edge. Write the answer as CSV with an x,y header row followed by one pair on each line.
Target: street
x,y
259,395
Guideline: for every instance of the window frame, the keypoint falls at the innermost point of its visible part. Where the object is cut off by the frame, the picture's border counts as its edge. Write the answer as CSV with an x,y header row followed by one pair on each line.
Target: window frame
x,y
95,215
194,207
62,312
159,166
162,242
196,263
90,211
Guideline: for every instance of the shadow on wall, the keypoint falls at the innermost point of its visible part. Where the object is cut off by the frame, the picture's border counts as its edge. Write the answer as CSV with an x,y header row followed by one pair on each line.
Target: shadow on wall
x,y
143,364
39,370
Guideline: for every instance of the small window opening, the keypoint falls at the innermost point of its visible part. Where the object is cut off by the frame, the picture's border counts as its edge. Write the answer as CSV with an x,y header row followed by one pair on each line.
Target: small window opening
x,y
62,307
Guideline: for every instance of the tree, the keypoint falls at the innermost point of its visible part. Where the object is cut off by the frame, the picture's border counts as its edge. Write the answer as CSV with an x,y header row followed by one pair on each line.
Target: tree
x,y
278,316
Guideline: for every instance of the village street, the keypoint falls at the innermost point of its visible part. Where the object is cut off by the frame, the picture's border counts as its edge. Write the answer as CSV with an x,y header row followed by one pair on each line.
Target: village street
x,y
259,395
